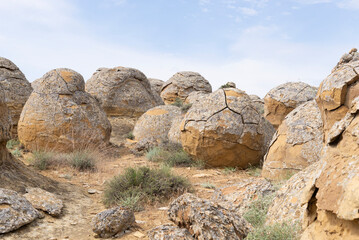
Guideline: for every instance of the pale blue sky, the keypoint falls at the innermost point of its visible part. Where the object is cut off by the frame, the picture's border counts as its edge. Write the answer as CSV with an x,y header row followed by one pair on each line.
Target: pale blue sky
x,y
258,44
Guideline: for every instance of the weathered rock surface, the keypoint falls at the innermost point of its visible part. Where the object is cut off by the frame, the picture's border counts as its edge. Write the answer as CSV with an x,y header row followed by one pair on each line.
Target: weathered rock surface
x,y
283,99
15,211
45,201
337,91
195,97
182,84
156,87
121,91
297,143
206,220
156,123
16,88
113,222
225,129
352,56
169,232
237,197
5,119
258,103
60,115
174,134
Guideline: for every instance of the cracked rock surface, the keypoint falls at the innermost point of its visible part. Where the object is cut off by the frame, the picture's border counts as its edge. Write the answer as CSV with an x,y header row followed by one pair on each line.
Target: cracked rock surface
x,y
156,87
169,232
297,143
174,134
15,211
156,123
206,220
182,84
45,201
60,115
282,99
16,88
337,91
225,129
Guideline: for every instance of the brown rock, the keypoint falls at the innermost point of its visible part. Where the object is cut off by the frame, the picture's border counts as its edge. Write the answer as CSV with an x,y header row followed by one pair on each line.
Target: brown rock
x,y
16,88
283,99
297,143
224,129
174,134
44,201
207,220
60,115
182,84
169,232
156,123
237,197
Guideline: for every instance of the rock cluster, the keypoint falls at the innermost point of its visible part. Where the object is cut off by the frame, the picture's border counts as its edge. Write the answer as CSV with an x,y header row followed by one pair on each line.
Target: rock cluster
x,y
16,88
182,84
225,129
282,99
297,143
60,115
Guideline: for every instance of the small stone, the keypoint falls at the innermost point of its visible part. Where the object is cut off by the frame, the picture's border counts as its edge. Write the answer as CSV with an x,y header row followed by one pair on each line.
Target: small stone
x,y
92,191
139,234
140,222
163,208
44,201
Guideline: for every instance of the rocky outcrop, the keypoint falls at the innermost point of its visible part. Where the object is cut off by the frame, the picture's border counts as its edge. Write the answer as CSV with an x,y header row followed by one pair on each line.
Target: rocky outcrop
x,y
237,197
174,134
337,91
16,88
297,143
156,123
45,201
113,222
15,211
169,232
207,220
61,116
283,99
352,56
182,84
156,86
225,129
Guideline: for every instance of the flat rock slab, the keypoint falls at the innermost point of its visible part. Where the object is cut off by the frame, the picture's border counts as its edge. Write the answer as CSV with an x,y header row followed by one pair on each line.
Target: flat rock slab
x,y
15,211
45,201
169,232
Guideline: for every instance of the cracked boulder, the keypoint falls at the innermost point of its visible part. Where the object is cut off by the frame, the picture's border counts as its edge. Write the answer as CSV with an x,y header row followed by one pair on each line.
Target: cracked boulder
x,y
169,232
156,123
237,197
182,84
195,97
156,86
258,103
16,88
45,201
337,91
15,211
174,134
61,116
207,220
283,99
297,143
225,129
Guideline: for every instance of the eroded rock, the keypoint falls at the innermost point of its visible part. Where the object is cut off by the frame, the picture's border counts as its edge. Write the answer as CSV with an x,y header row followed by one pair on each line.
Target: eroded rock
x,y
156,86
169,232
45,201
174,134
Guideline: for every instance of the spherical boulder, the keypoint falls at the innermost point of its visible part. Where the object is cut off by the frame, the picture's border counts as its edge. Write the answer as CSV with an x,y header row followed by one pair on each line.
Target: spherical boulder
x,y
194,97
283,99
182,84
156,86
297,143
258,103
156,123
174,134
17,90
61,116
225,129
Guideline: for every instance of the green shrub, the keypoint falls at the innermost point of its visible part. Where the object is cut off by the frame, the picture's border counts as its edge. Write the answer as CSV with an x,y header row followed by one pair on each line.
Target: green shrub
x,y
130,135
254,171
137,186
16,152
279,231
199,164
178,102
42,159
171,155
229,170
257,211
11,144
82,160
224,86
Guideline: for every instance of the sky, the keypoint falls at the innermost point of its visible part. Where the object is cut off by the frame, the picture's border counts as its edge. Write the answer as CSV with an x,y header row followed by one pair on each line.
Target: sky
x,y
258,44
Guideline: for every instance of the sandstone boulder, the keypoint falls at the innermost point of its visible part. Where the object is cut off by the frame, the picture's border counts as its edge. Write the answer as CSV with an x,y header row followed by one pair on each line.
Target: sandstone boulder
x,y
283,99
207,220
182,84
113,222
258,103
297,143
237,197
195,97
174,134
337,91
225,129
156,123
5,120
45,201
169,232
16,88
15,211
352,56
156,86
61,116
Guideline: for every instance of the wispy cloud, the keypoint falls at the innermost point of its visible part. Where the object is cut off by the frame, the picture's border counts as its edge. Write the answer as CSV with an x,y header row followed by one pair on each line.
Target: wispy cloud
x,y
247,11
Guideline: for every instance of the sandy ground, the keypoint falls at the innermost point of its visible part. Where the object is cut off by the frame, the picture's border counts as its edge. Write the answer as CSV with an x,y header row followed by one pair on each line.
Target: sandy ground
x,y
81,207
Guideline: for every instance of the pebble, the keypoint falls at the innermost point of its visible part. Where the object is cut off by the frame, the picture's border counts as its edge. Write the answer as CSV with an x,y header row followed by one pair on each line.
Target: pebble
x,y
163,208
92,191
139,234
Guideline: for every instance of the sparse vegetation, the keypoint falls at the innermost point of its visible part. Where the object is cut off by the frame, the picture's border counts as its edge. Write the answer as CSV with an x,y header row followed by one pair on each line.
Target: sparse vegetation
x,y
130,135
16,152
199,164
254,171
82,160
171,155
178,102
42,159
225,86
11,144
257,210
186,107
279,231
137,186
229,170
183,106
208,185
